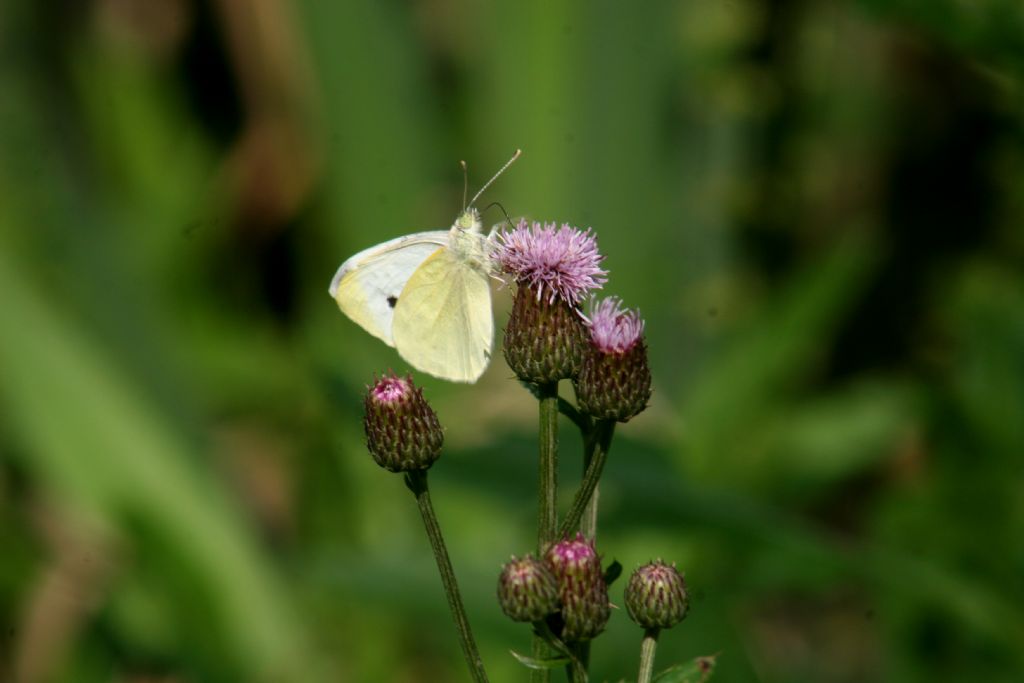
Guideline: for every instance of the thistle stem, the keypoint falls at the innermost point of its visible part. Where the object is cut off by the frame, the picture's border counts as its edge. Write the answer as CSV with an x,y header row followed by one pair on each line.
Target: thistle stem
x,y
583,513
577,667
647,649
583,662
547,503
416,480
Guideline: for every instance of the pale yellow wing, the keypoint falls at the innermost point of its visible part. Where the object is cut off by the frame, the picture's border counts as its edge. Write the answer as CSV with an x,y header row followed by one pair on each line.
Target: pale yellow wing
x,y
443,323
367,285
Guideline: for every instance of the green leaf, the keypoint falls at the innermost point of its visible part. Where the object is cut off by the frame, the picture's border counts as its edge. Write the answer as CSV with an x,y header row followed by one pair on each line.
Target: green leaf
x,y
697,671
540,664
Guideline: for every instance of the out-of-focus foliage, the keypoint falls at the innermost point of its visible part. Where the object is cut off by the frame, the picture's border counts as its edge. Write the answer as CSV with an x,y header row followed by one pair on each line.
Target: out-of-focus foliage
x,y
816,205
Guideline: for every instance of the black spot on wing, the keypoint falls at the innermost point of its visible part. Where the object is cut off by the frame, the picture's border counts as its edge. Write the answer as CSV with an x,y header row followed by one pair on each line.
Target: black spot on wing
x,y
392,301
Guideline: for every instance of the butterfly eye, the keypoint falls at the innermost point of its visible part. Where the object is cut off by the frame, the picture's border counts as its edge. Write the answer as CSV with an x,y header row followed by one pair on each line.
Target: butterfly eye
x,y
392,301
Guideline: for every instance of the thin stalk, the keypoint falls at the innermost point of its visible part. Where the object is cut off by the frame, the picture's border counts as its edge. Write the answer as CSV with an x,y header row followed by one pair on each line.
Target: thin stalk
x,y
583,513
547,502
576,669
540,651
417,483
583,657
647,649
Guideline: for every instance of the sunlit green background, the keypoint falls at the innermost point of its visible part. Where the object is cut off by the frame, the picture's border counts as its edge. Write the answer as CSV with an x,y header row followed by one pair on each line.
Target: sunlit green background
x,y
817,206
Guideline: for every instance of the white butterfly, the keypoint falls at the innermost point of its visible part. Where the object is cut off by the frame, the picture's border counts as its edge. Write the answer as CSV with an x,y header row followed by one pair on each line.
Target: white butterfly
x,y
428,295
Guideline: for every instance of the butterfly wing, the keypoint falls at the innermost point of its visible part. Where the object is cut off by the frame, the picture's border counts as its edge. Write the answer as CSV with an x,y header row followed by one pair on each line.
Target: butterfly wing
x,y
367,286
443,323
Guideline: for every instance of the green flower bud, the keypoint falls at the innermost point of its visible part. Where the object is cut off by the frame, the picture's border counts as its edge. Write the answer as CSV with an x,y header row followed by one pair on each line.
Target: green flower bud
x,y
581,588
527,591
545,339
402,430
656,596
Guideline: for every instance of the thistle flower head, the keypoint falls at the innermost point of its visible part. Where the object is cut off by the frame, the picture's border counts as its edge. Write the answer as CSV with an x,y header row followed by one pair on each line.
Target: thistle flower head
x,y
613,328
391,389
402,430
572,555
614,382
527,590
581,588
656,596
554,262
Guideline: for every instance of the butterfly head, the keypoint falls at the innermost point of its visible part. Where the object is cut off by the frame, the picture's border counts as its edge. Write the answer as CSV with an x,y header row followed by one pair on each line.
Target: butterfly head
x,y
466,241
468,221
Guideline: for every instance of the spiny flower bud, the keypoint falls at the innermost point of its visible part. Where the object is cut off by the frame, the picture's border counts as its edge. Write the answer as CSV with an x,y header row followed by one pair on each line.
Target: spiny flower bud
x,y
581,588
527,591
545,341
656,596
553,268
615,380
402,430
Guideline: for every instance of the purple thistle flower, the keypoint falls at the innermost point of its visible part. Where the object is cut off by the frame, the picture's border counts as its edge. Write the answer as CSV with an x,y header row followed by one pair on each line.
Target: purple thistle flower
x,y
581,587
390,388
572,552
564,261
402,430
614,329
614,382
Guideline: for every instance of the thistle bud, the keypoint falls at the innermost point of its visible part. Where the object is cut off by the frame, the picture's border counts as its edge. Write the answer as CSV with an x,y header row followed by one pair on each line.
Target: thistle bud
x,y
402,430
615,380
553,268
581,588
545,341
527,591
656,596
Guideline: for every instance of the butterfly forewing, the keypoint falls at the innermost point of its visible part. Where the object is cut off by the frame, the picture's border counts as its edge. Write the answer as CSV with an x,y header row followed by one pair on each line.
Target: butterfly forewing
x,y
367,286
442,322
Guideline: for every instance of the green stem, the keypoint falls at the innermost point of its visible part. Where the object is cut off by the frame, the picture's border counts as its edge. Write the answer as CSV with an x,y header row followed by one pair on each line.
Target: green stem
x,y
577,668
540,651
417,483
583,658
647,648
583,513
547,502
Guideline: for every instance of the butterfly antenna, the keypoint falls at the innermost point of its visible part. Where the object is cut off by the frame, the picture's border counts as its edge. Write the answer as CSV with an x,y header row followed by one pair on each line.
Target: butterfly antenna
x,y
465,183
507,219
500,171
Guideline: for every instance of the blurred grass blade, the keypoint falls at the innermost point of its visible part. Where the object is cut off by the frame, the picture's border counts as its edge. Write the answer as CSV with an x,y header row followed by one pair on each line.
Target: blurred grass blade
x,y
94,438
773,351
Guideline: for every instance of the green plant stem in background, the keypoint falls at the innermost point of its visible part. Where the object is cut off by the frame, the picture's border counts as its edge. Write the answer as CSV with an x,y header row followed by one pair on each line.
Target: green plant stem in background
x,y
417,483
647,649
583,512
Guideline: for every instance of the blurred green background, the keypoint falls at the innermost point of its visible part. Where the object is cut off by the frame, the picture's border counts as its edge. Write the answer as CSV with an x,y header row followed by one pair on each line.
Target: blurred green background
x,y
817,206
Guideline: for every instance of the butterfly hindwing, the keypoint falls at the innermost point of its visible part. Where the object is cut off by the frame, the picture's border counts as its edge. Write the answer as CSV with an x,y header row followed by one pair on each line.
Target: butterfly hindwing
x,y
442,322
367,287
